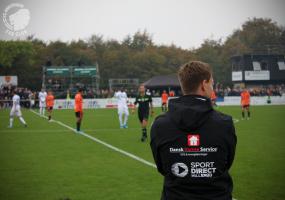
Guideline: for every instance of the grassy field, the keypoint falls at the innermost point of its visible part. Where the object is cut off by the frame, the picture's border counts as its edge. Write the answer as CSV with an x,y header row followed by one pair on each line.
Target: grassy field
x,y
47,161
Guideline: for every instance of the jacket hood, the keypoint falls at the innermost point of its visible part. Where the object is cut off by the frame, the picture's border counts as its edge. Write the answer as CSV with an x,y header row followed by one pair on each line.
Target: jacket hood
x,y
189,112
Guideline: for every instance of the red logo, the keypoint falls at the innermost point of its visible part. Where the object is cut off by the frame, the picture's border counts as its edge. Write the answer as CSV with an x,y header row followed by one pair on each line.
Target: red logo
x,y
193,140
8,79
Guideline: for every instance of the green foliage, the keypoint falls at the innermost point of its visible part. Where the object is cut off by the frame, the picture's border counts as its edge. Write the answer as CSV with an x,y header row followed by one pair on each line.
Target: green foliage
x,y
257,35
136,56
12,51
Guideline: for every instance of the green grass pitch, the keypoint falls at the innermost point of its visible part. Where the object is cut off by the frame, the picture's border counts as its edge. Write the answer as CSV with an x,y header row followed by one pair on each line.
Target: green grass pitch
x,y
47,161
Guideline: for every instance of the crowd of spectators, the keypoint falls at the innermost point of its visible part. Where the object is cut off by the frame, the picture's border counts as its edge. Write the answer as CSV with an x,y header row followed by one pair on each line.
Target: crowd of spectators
x,y
107,93
29,98
222,91
6,95
262,90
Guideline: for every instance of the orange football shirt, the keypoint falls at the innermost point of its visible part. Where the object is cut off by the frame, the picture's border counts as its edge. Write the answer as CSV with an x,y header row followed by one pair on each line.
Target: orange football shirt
x,y
78,107
50,100
164,97
245,98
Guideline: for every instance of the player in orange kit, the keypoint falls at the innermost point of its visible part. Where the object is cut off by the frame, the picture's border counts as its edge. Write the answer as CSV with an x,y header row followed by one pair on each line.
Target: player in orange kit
x,y
213,98
78,108
49,104
171,93
164,99
245,103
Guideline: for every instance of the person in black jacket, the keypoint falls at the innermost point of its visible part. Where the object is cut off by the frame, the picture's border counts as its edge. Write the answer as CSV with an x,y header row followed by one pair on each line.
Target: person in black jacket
x,y
193,145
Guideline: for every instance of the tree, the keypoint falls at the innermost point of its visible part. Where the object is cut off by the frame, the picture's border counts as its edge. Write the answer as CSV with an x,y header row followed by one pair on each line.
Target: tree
x,y
136,56
259,34
141,40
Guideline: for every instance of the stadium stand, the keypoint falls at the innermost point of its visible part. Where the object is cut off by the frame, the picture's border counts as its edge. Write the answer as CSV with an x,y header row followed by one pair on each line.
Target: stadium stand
x,y
258,69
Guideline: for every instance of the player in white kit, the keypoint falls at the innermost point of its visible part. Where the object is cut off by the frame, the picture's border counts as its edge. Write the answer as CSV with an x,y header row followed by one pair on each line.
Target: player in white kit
x,y
42,101
16,110
122,99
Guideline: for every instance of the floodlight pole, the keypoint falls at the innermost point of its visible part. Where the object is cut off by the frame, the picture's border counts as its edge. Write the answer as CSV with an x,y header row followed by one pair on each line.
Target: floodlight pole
x,y
71,77
44,77
97,79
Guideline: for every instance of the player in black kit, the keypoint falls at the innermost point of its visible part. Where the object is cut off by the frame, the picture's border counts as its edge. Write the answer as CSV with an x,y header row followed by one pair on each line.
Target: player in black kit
x,y
145,106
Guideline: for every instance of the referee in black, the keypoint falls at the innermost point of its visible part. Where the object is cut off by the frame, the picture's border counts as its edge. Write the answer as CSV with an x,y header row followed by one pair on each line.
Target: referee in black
x,y
145,107
192,144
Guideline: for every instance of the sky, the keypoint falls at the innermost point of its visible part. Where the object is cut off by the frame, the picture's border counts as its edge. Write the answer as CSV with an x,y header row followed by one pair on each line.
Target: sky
x,y
185,23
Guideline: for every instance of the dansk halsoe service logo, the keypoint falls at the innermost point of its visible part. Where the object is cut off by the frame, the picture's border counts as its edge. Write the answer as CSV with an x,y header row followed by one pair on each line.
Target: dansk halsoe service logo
x,y
193,140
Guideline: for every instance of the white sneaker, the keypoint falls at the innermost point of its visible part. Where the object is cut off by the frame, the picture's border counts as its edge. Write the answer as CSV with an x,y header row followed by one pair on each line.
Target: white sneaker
x,y
79,132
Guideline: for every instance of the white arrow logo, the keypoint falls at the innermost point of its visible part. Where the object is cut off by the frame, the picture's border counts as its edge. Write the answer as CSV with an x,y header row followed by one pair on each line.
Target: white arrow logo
x,y
179,169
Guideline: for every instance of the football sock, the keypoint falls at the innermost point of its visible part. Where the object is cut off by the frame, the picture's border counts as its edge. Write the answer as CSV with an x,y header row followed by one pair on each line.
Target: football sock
x,y
11,122
126,119
78,126
22,120
121,119
144,132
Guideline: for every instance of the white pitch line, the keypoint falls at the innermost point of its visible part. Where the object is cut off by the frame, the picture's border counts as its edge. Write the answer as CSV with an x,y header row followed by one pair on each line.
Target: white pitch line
x,y
36,131
64,130
235,120
108,145
103,143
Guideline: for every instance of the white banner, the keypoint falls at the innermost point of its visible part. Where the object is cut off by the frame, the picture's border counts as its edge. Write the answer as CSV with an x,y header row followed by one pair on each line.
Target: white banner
x,y
234,101
281,65
112,103
98,103
237,76
256,75
8,80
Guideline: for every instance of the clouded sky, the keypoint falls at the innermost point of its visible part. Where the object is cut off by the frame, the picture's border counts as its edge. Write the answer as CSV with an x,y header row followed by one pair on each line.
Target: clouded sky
x,y
185,23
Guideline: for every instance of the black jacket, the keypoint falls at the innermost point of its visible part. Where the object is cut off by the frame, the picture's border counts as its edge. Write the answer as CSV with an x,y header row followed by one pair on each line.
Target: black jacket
x,y
193,147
